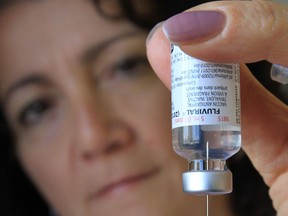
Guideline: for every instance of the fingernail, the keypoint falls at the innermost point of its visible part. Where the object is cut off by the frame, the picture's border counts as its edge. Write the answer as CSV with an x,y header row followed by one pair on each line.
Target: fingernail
x,y
279,73
194,25
152,31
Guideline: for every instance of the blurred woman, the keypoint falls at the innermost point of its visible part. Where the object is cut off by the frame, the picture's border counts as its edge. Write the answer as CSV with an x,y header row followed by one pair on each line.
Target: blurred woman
x,y
86,117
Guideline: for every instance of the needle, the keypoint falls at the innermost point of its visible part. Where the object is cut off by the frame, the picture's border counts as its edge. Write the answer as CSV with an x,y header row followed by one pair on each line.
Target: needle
x,y
207,168
207,205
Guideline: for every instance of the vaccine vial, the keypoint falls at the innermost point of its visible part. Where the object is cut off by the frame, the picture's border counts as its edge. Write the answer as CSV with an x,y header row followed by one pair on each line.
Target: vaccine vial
x,y
205,120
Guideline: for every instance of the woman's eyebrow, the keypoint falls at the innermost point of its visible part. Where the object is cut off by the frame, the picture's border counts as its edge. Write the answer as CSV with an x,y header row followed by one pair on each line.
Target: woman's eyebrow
x,y
93,51
33,79
88,56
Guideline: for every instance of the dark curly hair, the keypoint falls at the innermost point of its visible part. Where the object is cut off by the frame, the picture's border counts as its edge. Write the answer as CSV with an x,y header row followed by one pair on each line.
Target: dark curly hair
x,y
18,196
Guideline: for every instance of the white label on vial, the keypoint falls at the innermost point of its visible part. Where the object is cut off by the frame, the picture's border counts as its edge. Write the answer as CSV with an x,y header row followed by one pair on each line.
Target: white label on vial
x,y
204,93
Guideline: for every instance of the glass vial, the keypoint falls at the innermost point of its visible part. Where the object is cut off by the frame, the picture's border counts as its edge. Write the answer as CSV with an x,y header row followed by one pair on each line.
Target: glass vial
x,y
205,120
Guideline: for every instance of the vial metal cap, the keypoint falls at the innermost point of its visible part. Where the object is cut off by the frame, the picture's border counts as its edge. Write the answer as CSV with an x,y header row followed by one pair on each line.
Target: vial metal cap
x,y
211,182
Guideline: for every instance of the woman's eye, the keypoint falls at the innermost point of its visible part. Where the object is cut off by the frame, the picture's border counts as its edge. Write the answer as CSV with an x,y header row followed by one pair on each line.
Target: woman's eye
x,y
130,67
34,112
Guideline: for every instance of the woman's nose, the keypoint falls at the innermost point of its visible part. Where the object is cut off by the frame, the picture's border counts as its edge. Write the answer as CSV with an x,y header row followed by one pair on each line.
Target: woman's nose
x,y
98,130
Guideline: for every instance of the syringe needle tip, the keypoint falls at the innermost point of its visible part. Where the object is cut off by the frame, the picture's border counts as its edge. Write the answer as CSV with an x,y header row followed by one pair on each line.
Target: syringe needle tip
x,y
207,205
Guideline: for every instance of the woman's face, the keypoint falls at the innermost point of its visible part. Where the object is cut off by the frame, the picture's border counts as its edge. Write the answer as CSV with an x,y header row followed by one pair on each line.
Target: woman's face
x,y
91,120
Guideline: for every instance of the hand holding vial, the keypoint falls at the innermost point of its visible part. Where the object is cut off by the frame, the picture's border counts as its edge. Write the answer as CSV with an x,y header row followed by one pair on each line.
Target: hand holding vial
x,y
242,32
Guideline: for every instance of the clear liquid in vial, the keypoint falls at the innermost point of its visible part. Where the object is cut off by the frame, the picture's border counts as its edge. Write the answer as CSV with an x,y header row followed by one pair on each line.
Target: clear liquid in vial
x,y
193,142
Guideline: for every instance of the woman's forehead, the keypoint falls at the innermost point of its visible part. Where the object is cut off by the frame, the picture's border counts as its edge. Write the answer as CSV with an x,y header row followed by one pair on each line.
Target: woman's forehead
x,y
60,10
32,33
55,23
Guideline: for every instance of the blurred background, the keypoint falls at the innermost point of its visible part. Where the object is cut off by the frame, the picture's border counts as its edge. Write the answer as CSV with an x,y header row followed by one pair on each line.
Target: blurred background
x,y
283,1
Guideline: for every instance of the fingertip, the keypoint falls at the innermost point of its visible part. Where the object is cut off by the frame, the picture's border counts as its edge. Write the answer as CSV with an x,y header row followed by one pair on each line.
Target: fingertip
x,y
158,53
152,31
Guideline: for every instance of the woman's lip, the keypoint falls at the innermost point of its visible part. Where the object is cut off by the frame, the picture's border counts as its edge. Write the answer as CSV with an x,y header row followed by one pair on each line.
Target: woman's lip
x,y
123,184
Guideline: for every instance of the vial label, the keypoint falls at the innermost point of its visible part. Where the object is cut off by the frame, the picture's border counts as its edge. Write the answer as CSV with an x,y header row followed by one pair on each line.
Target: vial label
x,y
204,93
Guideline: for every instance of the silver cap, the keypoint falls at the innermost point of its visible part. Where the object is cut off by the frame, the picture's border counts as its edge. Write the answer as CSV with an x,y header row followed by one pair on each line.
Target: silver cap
x,y
211,182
